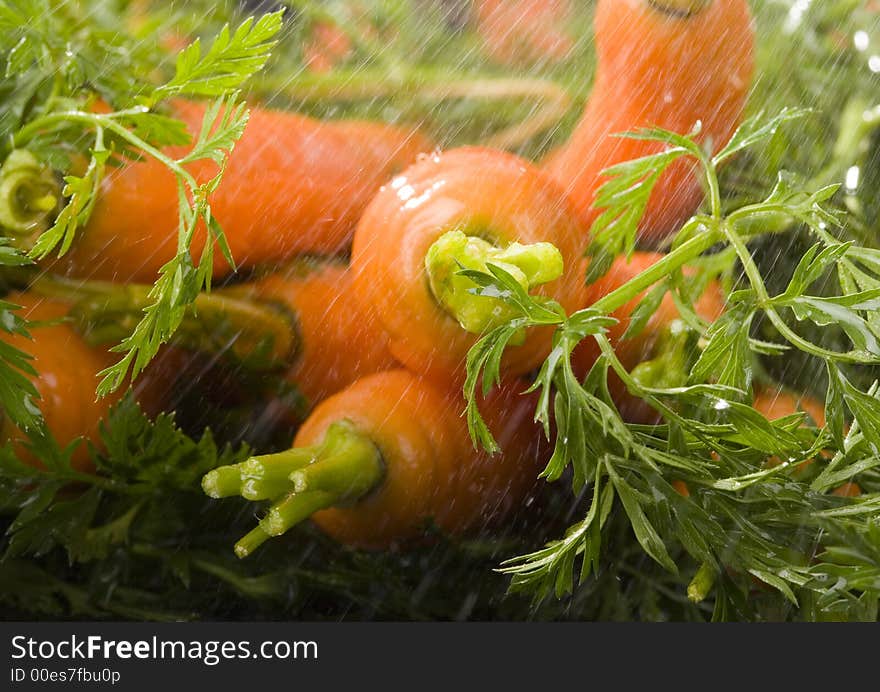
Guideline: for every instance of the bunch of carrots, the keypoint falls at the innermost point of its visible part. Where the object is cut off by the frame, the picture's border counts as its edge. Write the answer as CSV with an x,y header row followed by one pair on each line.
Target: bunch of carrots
x,y
354,234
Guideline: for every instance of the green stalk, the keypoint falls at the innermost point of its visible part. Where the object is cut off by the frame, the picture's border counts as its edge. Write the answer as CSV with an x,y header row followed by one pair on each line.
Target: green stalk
x,y
293,509
342,469
680,8
250,542
222,482
702,583
268,476
684,253
108,122
765,303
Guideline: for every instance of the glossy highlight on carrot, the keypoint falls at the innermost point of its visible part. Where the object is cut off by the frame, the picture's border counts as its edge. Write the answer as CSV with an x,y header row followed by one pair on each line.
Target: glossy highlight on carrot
x,y
664,63
292,185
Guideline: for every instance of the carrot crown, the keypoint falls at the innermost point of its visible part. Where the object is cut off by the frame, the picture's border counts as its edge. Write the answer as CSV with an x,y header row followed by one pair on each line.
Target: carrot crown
x,y
29,193
530,265
345,467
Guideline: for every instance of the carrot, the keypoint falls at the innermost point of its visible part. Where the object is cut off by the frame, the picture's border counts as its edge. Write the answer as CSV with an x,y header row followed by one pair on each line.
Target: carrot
x,y
377,461
304,320
847,490
774,403
664,63
339,341
67,370
463,207
777,403
643,347
517,31
326,47
292,185
681,488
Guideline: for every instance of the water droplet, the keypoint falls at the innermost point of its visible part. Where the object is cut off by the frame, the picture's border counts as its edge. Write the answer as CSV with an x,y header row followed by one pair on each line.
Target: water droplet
x,y
852,179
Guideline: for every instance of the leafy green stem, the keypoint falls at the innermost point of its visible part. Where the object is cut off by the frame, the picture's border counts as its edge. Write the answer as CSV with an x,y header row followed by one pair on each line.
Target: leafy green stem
x,y
681,255
109,122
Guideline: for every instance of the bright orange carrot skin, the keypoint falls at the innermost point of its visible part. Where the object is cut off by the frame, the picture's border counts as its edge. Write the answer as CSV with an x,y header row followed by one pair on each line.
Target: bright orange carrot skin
x,y
485,192
517,31
339,340
292,185
847,490
68,376
778,403
658,69
431,469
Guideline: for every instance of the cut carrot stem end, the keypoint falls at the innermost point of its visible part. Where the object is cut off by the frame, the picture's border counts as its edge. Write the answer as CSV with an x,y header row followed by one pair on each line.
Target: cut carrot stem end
x,y
702,583
293,509
249,543
529,265
276,468
29,193
343,468
224,481
268,476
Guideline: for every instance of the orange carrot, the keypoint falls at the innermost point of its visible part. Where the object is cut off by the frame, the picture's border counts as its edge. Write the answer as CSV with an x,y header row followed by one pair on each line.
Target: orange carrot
x,y
68,375
377,461
292,185
664,63
778,403
339,340
482,193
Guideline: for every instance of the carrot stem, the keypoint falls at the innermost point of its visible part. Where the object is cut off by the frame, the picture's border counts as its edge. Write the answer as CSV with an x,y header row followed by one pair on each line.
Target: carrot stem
x,y
268,476
684,253
344,467
680,8
349,474
224,481
250,542
29,193
530,265
293,509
